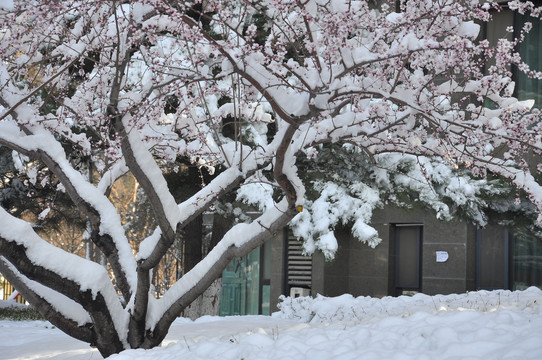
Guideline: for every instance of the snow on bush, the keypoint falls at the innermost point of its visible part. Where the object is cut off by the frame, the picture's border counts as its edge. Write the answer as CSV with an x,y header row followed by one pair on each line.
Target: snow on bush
x,y
11,304
368,309
12,310
476,326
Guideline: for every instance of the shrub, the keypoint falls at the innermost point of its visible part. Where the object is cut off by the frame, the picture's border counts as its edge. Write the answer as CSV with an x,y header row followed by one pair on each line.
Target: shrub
x,y
18,312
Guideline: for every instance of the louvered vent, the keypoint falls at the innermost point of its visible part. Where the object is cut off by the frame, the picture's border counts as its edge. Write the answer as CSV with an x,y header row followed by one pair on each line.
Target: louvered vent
x,y
299,265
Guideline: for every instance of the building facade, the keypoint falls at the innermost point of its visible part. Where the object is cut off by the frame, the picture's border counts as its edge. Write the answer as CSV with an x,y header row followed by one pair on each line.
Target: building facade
x,y
418,253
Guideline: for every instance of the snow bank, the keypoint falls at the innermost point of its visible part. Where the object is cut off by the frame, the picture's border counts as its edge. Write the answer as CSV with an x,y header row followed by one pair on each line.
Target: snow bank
x,y
366,309
474,326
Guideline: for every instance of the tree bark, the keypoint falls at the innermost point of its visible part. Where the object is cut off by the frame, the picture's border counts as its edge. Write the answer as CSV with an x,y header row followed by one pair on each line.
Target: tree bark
x,y
207,303
105,337
81,332
192,243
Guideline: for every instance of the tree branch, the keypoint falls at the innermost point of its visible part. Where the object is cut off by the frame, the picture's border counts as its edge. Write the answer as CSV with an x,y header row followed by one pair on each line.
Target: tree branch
x,y
13,108
45,308
278,169
75,185
91,299
151,180
192,284
262,89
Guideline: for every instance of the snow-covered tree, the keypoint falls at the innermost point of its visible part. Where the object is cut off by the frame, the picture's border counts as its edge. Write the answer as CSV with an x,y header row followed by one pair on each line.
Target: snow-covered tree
x,y
242,89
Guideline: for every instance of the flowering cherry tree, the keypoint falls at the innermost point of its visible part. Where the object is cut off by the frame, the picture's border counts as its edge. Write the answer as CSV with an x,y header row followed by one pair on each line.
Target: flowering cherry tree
x,y
242,89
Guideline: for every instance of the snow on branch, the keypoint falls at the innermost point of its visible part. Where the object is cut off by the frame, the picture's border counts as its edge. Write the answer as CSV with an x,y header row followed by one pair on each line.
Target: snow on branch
x,y
234,243
60,303
44,146
140,161
38,260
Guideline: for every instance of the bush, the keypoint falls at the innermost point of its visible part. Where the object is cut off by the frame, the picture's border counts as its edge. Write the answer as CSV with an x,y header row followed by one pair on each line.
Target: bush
x,y
18,312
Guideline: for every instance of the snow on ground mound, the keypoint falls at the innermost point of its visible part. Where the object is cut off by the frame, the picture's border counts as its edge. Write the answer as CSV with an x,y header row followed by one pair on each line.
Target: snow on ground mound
x,y
482,325
475,326
365,309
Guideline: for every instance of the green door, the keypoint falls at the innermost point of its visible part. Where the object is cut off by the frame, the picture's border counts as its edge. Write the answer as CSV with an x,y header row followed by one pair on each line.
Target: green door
x,y
240,286
246,284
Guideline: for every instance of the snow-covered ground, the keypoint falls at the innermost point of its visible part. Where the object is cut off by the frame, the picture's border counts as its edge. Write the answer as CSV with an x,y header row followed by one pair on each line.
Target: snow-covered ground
x,y
476,325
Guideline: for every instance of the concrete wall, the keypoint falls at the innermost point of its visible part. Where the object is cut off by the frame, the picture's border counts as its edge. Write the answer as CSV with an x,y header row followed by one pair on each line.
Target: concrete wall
x,y
277,269
356,269
360,270
449,276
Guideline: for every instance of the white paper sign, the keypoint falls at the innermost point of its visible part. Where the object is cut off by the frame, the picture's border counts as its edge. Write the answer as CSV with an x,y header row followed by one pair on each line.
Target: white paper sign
x,y
442,256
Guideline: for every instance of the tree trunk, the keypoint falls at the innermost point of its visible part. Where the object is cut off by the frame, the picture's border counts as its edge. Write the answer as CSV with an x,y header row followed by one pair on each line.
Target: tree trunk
x,y
206,304
192,241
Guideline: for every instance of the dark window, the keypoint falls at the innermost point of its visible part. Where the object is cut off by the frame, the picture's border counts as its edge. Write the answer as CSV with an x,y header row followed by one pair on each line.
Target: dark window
x,y
508,259
526,260
531,53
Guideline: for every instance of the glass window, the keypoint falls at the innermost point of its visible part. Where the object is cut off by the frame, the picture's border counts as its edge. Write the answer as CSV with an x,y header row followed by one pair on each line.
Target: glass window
x,y
527,259
531,52
266,299
246,284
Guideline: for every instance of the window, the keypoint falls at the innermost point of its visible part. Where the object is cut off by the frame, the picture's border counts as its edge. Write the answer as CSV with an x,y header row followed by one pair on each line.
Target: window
x,y
246,284
508,258
531,52
526,259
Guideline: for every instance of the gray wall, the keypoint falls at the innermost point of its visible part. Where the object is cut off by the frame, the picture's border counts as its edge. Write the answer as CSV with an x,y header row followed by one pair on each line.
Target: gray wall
x,y
360,270
277,269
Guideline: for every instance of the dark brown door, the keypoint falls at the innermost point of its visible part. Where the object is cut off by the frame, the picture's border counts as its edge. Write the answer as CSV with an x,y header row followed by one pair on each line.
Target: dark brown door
x,y
408,245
